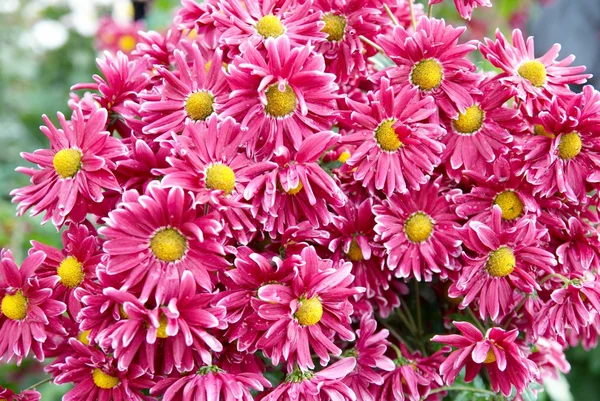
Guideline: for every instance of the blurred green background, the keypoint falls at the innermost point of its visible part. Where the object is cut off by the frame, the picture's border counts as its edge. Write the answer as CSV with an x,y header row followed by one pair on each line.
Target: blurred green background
x,y
46,46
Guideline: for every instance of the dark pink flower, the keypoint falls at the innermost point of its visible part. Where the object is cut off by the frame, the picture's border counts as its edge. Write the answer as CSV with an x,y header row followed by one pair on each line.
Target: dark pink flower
x,y
27,395
579,249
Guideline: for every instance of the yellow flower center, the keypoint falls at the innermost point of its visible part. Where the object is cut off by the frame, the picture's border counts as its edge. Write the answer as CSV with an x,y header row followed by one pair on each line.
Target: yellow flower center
x,y
67,162
309,312
14,306
335,27
162,327
534,72
344,156
280,104
469,122
501,262
199,105
540,130
104,381
294,191
418,227
70,272
490,358
84,337
386,137
168,245
510,203
427,74
220,176
270,26
127,43
569,146
354,253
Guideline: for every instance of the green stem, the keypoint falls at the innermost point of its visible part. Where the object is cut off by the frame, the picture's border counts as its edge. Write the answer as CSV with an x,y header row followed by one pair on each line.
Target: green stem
x,y
406,322
461,388
555,275
391,15
38,384
476,320
372,44
412,14
394,334
419,318
409,316
430,11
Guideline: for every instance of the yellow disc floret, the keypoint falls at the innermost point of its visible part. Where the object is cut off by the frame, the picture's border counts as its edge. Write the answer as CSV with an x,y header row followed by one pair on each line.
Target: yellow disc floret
x,y
127,43
386,136
168,245
335,27
220,176
309,311
199,105
270,26
280,104
345,155
67,162
569,146
490,357
501,262
534,72
84,337
70,272
161,332
510,203
354,253
14,306
418,227
469,122
104,381
427,74
294,191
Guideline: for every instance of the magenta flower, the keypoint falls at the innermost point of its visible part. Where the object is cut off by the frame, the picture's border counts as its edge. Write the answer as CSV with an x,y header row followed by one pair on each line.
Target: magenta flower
x,y
324,385
27,395
579,250
116,36
193,95
96,377
308,312
397,146
465,7
419,232
156,236
498,260
497,351
549,356
79,165
536,80
432,61
158,49
72,267
29,317
280,97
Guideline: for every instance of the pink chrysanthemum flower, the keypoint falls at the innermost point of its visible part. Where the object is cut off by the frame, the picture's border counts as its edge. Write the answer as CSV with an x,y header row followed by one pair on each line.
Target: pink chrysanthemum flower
x,y
158,49
199,19
549,356
96,377
207,161
280,97
156,236
419,232
28,315
123,80
27,395
397,147
565,157
432,61
307,313
114,36
211,383
465,7
369,352
402,12
579,249
74,172
324,385
298,189
477,137
497,351
536,80
194,94
249,23
498,260
344,23
74,265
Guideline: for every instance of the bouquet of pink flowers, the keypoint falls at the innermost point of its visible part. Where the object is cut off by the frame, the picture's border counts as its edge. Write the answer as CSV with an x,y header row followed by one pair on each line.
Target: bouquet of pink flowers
x,y
312,200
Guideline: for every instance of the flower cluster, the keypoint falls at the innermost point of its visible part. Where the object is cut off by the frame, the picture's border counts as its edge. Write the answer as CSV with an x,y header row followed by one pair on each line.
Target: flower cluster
x,y
252,192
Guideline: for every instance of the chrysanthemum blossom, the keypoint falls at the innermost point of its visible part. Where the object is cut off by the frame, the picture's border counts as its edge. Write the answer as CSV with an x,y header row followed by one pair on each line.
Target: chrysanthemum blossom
x,y
280,97
497,351
536,80
498,260
115,36
249,23
432,61
308,312
195,93
579,249
74,171
465,7
156,236
26,395
324,385
29,317
419,232
397,146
